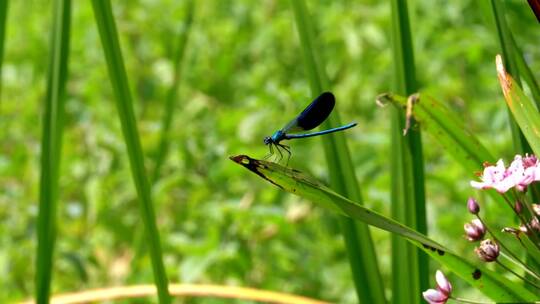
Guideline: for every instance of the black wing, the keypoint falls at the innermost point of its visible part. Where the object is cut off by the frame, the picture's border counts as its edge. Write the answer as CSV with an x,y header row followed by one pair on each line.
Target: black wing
x,y
313,115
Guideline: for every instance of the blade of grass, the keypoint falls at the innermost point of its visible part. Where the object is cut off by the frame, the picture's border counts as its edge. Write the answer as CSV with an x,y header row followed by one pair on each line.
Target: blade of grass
x,y
447,128
360,249
117,73
168,111
535,7
51,148
505,41
511,55
306,186
525,113
490,283
197,293
3,18
408,193
167,118
525,71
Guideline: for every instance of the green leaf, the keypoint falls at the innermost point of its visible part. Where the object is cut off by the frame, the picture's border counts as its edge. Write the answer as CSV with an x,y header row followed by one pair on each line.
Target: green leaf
x,y
409,266
522,108
525,71
505,41
166,120
490,283
446,127
51,147
361,252
118,77
172,94
3,18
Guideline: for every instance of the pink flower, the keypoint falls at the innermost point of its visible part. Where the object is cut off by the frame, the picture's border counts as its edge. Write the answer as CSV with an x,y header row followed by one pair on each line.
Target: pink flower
x,y
493,177
515,174
521,172
442,293
530,161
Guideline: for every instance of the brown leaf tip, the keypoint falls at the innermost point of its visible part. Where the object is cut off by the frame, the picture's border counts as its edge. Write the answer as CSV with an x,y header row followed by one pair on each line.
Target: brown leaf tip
x,y
504,78
383,99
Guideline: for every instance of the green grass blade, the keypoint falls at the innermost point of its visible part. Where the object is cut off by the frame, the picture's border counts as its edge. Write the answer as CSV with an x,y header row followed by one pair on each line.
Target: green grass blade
x,y
360,249
51,147
446,127
408,193
172,94
3,17
523,109
525,71
124,104
505,41
308,187
493,285
166,120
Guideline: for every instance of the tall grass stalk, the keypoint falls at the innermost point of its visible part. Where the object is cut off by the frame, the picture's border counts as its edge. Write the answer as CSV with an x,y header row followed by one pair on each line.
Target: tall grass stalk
x,y
511,60
124,104
167,117
51,147
409,266
3,18
525,71
362,256
508,52
172,94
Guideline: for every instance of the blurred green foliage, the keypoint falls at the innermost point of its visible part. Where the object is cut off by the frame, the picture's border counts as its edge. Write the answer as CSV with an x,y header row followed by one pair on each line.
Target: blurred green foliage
x,y
242,79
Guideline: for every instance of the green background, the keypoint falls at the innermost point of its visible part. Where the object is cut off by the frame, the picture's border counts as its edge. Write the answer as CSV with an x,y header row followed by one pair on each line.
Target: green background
x,y
243,78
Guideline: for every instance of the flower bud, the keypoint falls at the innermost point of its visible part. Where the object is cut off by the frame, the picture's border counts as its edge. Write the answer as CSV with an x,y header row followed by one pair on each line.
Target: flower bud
x,y
442,283
488,251
529,161
472,205
536,209
535,224
518,207
474,230
442,293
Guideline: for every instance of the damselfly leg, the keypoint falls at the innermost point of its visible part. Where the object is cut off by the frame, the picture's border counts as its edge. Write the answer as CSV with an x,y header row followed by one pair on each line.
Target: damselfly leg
x,y
271,151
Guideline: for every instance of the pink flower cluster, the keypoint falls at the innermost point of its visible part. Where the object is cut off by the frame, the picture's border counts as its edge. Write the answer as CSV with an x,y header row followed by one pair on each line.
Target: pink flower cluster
x,y
521,172
442,293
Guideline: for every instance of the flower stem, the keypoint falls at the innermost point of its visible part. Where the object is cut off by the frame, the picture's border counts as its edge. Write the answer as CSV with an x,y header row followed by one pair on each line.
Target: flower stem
x,y
532,232
522,198
523,221
470,301
517,275
513,255
522,266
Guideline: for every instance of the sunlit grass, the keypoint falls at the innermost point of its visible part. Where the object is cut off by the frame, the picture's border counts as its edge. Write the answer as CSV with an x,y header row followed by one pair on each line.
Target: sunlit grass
x,y
190,103
51,147
124,105
360,249
409,266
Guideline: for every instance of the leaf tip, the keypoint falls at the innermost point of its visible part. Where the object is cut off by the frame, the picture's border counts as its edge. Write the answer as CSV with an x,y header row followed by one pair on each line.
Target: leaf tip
x,y
504,78
240,159
383,99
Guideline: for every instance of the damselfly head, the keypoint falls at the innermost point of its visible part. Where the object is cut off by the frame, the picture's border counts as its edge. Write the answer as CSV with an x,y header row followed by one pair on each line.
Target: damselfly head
x,y
268,140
